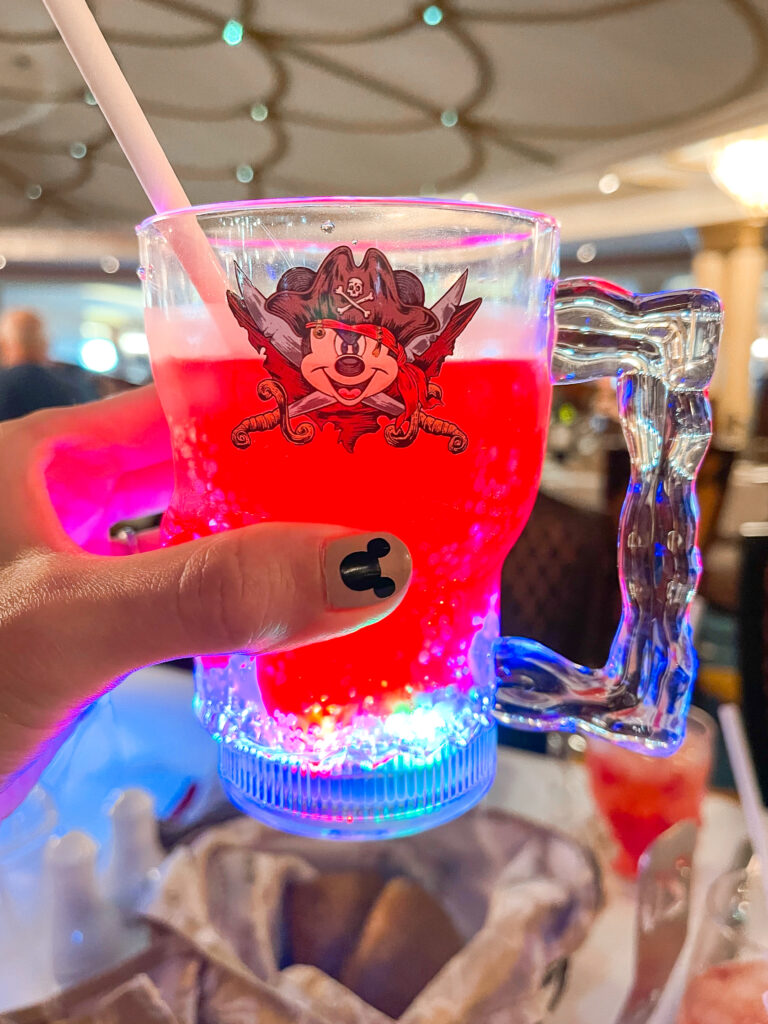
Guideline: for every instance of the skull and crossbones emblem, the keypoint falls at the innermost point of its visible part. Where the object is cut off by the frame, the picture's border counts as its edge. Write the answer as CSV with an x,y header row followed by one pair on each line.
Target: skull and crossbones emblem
x,y
354,297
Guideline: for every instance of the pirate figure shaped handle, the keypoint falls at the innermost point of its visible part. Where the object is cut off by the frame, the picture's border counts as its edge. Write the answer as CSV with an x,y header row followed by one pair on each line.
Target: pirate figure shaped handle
x,y
661,349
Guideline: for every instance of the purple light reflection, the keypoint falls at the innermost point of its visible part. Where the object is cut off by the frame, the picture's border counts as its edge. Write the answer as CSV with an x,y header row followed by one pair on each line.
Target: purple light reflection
x,y
470,241
218,209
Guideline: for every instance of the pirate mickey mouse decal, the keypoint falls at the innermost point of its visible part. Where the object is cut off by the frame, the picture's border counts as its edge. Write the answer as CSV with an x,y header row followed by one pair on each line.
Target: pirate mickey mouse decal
x,y
351,346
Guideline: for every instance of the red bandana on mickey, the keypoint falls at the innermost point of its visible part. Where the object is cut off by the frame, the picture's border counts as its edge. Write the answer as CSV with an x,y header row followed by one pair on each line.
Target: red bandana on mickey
x,y
351,346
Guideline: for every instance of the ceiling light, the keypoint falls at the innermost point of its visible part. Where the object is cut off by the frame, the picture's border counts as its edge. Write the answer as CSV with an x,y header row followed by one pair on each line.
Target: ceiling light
x,y
33,191
432,15
259,112
89,98
244,173
609,183
449,118
740,168
759,348
78,150
232,33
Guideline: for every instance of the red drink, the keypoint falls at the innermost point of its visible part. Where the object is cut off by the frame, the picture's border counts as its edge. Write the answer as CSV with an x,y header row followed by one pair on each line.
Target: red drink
x,y
642,796
381,367
458,513
735,992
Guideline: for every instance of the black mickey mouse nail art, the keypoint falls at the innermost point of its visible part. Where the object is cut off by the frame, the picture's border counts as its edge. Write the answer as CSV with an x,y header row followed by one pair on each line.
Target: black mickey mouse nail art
x,y
362,569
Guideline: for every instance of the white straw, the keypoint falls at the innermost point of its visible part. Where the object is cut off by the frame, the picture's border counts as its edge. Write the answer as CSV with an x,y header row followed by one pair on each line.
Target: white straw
x,y
746,783
90,51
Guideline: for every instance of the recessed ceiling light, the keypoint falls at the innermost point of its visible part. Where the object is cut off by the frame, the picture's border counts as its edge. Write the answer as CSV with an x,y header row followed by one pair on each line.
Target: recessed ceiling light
x,y
609,183
232,33
586,252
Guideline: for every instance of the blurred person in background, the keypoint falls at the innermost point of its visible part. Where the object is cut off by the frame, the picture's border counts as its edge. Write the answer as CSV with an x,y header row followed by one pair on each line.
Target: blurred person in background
x,y
27,380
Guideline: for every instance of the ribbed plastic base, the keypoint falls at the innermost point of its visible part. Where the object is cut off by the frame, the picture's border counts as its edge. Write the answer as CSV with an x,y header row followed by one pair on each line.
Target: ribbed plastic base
x,y
394,799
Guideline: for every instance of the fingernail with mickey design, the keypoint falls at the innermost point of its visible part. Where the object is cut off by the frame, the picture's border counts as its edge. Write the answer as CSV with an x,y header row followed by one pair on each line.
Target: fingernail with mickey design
x,y
363,569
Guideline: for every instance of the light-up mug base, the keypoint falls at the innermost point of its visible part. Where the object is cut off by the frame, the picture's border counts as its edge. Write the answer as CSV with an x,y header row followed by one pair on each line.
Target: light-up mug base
x,y
392,799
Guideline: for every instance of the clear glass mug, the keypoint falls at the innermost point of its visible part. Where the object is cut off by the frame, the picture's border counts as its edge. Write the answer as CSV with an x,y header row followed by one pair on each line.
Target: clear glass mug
x,y
436,322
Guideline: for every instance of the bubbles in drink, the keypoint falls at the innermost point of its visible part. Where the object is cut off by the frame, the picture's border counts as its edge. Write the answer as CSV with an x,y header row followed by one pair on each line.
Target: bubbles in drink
x,y
459,515
326,736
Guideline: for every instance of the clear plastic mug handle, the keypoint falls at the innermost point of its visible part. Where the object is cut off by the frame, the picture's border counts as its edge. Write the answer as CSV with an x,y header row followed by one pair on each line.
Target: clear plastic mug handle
x,y
661,349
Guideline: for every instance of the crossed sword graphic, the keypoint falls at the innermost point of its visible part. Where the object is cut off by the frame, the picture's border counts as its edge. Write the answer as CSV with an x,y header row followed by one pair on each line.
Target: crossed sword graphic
x,y
289,346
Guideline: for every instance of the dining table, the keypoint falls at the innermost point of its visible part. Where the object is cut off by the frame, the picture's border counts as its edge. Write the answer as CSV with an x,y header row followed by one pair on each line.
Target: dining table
x,y
556,793
146,733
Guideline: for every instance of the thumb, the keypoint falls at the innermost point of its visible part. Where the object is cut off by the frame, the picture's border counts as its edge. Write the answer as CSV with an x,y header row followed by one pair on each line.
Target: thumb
x,y
81,620
262,588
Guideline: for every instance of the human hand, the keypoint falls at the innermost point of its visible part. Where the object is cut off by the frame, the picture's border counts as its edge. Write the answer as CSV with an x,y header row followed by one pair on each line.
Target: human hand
x,y
73,620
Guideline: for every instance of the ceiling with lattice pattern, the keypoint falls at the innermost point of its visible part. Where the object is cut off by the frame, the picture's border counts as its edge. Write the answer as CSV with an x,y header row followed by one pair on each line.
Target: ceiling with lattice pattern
x,y
499,97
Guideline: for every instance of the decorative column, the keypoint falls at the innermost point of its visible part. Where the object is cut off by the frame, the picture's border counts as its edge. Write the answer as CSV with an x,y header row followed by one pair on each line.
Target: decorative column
x,y
731,262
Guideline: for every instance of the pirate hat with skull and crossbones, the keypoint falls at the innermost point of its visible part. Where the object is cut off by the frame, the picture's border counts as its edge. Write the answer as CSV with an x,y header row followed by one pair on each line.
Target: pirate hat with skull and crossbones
x,y
369,313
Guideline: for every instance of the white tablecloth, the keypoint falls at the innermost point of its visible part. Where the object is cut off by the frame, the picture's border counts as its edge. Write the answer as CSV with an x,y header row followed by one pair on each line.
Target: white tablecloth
x,y
148,726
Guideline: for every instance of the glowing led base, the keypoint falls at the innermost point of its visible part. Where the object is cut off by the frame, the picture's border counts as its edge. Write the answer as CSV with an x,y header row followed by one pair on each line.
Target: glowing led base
x,y
401,796
375,773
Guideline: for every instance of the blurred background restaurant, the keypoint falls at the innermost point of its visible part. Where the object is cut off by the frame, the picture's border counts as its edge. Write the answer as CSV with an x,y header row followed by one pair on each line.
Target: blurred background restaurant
x,y
642,125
